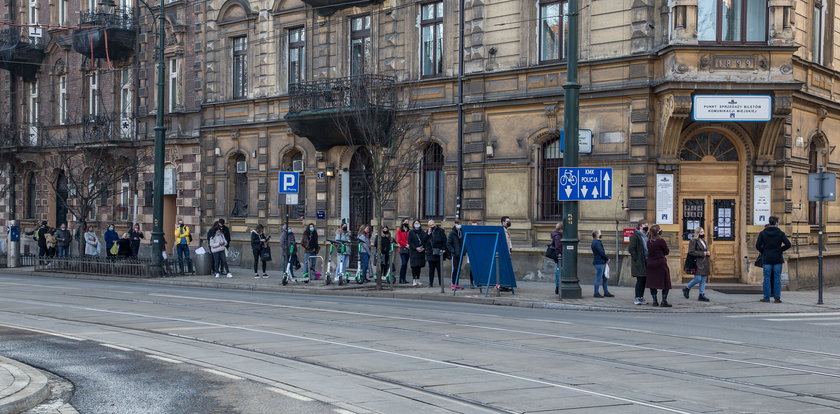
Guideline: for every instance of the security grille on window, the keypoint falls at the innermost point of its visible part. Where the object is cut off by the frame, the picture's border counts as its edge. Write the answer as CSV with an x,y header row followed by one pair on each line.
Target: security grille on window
x,y
554,30
359,44
174,86
125,199
551,161
432,183
297,54
240,67
62,99
62,12
819,32
126,104
431,34
93,93
33,113
732,21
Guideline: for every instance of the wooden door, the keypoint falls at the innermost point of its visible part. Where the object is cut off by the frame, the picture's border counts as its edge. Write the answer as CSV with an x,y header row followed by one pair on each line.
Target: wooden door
x,y
718,215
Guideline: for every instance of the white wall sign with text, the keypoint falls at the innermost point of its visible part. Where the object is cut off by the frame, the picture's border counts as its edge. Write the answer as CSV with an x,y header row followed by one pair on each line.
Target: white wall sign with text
x,y
761,199
664,198
749,108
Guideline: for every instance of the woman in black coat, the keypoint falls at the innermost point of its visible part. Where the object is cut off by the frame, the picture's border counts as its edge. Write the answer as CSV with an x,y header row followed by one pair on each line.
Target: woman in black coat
x,y
417,250
435,246
259,242
658,274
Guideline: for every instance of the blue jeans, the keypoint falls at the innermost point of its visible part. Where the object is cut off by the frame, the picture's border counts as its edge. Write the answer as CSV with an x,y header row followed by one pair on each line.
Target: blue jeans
x,y
404,266
343,262
698,279
61,251
309,263
184,255
774,271
365,259
557,274
600,278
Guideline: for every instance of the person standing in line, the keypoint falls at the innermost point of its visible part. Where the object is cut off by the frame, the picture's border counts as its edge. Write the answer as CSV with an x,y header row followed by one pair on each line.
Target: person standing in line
x,y
259,242
771,242
557,242
638,256
40,236
287,240
51,242
402,242
309,242
217,247
62,240
435,246
656,269
91,242
506,224
455,243
364,250
225,232
136,235
210,234
416,244
124,246
110,237
473,222
700,251
182,243
343,236
384,245
600,261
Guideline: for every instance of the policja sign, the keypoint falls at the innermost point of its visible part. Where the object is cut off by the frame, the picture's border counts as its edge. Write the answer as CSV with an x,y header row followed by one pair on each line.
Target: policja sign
x,y
584,183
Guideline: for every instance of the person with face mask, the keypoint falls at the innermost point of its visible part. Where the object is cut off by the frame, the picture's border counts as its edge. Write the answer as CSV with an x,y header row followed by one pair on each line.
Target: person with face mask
x,y
364,250
343,236
506,224
136,235
384,245
91,242
417,249
62,240
402,241
435,246
110,237
698,248
638,256
287,240
454,243
182,244
310,249
658,276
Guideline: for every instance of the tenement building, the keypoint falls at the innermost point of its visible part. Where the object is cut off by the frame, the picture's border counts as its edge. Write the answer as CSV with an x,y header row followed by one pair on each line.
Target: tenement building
x,y
710,112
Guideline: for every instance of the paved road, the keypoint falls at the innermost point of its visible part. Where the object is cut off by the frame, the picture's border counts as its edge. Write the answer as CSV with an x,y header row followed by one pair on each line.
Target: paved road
x,y
350,354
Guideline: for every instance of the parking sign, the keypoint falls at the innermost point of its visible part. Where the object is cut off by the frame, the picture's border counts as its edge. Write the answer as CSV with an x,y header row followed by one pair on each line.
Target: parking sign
x,y
288,182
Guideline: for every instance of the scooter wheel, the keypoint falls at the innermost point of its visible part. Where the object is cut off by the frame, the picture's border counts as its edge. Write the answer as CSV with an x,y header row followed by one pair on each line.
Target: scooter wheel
x,y
305,281
340,281
327,279
358,280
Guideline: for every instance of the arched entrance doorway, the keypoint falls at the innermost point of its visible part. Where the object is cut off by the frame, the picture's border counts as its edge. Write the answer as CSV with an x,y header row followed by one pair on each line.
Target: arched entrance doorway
x,y
711,195
361,201
61,194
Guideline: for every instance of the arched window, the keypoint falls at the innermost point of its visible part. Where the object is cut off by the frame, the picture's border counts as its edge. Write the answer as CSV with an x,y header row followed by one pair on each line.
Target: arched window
x,y
238,167
432,182
709,146
293,161
550,161
31,195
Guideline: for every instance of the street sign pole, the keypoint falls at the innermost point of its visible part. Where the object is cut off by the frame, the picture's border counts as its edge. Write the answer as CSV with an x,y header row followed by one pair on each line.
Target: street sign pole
x,y
569,282
822,179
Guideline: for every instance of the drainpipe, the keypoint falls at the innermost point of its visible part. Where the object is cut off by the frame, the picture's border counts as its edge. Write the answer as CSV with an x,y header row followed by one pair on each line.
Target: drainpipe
x,y
460,196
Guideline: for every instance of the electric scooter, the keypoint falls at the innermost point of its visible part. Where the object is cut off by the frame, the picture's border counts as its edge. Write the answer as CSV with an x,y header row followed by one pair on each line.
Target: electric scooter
x,y
287,275
341,276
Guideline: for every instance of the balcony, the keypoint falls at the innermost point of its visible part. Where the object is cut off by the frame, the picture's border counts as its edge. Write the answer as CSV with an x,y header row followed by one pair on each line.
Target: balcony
x,y
328,111
10,136
328,7
108,128
21,54
106,33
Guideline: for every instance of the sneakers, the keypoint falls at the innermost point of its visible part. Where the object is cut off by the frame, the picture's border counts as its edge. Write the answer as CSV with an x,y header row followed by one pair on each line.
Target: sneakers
x,y
256,275
702,298
777,300
217,275
265,276
598,295
685,292
229,275
637,301
609,295
765,300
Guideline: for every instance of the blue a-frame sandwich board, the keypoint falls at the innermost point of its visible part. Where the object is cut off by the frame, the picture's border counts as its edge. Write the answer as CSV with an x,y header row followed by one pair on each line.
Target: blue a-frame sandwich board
x,y
482,243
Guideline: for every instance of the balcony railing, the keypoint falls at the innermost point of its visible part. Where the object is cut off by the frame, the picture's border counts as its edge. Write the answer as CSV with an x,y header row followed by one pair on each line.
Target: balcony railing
x,y
10,135
107,127
364,90
328,7
20,53
106,34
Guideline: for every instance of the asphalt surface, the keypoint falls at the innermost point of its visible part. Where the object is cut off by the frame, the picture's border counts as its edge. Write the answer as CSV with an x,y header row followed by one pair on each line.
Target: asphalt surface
x,y
374,354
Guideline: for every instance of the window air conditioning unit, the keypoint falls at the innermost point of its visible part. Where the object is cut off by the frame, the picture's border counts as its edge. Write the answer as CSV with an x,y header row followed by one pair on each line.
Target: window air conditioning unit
x,y
241,167
297,166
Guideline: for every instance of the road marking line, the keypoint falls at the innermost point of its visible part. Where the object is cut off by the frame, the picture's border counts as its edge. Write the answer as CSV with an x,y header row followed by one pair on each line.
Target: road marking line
x,y
629,329
342,411
222,374
23,328
551,321
164,359
826,324
117,347
836,318
781,315
290,394
40,286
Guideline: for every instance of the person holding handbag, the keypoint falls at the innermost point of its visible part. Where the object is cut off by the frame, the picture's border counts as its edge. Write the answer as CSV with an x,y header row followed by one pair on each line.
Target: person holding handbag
x,y
435,246
698,249
405,254
217,247
417,249
600,261
259,247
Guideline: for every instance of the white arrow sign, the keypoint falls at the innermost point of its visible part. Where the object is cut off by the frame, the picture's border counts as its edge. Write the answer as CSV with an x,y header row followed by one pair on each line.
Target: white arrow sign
x,y
584,190
568,191
606,184
595,192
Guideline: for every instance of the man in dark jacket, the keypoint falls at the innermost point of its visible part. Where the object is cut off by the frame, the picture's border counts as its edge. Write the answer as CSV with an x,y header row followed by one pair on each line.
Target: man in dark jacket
x,y
638,258
454,243
40,237
771,242
62,240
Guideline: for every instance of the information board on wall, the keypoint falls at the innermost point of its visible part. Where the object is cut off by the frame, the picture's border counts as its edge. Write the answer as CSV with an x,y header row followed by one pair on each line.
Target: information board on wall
x,y
761,199
664,198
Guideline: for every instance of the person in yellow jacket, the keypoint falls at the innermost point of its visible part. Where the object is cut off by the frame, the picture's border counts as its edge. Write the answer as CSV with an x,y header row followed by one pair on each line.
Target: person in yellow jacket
x,y
182,245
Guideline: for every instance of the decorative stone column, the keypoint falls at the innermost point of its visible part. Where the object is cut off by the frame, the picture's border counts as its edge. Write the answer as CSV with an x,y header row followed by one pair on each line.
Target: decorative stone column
x,y
683,22
780,22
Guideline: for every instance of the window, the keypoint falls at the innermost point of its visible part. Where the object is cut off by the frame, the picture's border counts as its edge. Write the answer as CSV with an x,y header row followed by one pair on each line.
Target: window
x,y
240,67
551,160
174,95
93,93
62,99
432,182
431,33
33,12
297,54
239,185
126,104
819,32
554,30
732,21
33,113
31,195
125,199
708,146
359,44
62,12
91,4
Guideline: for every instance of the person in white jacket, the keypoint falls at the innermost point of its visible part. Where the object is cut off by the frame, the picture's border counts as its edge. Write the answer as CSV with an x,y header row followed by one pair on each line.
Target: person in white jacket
x,y
217,247
91,243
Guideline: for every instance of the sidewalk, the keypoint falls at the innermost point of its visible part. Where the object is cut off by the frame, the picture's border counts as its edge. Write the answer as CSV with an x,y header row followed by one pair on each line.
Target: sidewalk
x,y
21,386
526,294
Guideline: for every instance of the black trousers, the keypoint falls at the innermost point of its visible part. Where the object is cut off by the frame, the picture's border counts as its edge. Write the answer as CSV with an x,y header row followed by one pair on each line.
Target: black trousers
x,y
257,259
456,263
434,265
640,286
415,272
404,267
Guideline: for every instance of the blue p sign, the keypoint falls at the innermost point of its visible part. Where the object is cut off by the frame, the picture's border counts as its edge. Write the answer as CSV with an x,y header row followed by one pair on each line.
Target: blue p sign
x,y
288,182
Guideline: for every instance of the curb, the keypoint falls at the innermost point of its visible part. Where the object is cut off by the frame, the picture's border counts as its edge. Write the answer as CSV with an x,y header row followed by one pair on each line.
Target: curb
x,y
29,388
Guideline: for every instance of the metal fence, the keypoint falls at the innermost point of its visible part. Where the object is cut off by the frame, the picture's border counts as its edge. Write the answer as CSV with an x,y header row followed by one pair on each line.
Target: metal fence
x,y
24,261
126,267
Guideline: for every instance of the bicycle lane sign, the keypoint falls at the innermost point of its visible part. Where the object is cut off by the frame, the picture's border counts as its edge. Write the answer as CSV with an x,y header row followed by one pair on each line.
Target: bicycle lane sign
x,y
582,183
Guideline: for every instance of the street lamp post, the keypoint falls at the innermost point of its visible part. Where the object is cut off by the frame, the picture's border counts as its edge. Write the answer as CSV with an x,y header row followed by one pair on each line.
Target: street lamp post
x,y
160,138
569,283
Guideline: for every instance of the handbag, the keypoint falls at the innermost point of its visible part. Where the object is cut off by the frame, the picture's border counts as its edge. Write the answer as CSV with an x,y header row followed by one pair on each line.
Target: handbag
x,y
759,261
550,252
114,249
403,250
436,251
265,254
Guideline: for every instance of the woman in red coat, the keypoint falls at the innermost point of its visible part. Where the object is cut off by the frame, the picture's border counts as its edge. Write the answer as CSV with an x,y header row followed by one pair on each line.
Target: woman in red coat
x,y
658,275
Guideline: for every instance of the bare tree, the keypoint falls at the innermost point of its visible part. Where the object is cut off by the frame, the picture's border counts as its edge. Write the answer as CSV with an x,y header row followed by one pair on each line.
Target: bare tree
x,y
374,115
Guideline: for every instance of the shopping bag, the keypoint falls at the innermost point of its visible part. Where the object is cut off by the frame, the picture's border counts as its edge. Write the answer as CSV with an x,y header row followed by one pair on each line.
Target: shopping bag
x,y
265,254
607,271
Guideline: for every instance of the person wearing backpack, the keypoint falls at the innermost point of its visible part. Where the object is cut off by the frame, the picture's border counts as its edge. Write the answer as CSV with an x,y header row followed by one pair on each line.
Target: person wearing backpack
x,y
39,235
